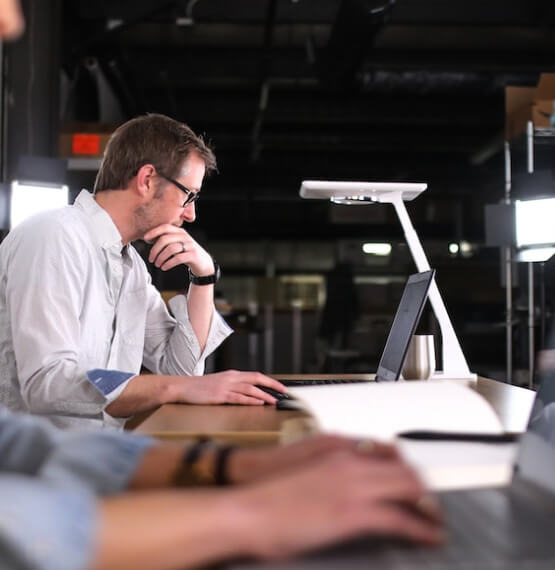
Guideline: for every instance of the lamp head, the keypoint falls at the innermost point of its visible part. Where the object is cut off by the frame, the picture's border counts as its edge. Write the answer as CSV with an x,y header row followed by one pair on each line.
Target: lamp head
x,y
341,192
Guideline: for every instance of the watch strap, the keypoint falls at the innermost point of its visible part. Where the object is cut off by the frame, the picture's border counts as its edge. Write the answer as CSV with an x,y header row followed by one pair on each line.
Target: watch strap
x,y
205,279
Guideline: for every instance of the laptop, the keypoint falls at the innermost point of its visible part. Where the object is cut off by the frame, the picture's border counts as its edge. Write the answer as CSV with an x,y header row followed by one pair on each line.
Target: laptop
x,y
504,528
404,324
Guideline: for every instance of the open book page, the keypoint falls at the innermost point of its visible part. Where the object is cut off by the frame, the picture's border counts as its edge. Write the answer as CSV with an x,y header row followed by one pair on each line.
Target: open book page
x,y
382,410
448,465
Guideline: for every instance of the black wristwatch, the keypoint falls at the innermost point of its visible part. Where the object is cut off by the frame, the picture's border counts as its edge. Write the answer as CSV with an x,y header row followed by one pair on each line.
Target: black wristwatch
x,y
206,279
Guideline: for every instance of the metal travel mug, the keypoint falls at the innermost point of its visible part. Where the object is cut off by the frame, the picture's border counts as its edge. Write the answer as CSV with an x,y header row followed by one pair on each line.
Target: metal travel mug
x,y
420,362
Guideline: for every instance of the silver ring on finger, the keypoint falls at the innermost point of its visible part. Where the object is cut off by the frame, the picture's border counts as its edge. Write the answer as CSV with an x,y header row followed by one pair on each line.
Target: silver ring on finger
x,y
183,248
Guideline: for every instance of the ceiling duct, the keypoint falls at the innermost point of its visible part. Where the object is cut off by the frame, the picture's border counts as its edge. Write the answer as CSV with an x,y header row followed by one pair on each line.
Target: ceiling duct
x,y
356,26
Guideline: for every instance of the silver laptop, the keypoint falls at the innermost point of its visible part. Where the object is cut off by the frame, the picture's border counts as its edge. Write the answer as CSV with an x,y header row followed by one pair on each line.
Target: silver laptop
x,y
504,528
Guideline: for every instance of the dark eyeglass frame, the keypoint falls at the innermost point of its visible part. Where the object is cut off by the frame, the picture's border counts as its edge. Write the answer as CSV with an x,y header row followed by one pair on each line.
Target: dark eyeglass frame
x,y
192,196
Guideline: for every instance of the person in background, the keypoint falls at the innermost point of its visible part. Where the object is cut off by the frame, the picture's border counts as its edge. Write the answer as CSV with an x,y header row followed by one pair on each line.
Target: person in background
x,y
107,500
338,316
79,316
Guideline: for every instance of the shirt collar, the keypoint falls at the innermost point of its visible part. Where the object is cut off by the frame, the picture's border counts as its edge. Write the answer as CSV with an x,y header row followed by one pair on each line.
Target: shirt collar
x,y
102,226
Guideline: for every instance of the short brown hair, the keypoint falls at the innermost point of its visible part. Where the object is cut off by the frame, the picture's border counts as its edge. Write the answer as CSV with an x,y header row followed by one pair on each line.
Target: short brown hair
x,y
149,139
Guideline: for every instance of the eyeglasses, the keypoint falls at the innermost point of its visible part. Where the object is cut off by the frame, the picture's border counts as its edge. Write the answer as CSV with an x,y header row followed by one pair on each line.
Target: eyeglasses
x,y
191,195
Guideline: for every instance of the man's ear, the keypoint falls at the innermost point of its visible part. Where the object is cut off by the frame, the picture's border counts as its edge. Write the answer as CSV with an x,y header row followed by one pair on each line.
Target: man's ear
x,y
145,180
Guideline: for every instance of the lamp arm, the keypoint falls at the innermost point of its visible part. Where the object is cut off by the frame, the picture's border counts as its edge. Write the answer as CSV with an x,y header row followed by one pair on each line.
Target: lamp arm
x,y
454,362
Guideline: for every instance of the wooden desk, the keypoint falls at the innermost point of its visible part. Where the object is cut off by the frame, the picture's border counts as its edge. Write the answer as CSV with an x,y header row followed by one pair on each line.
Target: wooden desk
x,y
258,425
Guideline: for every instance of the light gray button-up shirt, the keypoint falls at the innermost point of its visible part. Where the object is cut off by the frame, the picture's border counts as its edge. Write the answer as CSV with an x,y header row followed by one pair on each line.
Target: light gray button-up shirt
x,y
79,316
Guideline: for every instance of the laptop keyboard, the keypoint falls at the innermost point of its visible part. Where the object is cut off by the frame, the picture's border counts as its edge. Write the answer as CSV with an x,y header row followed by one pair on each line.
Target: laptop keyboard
x,y
502,523
488,529
321,381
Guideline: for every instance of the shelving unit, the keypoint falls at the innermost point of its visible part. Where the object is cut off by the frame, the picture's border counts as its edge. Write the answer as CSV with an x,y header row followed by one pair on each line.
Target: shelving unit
x,y
533,136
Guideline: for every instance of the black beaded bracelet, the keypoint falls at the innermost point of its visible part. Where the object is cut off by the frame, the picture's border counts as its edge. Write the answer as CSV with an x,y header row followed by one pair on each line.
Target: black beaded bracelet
x,y
195,451
221,460
191,472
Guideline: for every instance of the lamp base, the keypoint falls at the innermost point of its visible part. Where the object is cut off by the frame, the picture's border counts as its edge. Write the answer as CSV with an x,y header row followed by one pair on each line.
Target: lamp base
x,y
464,377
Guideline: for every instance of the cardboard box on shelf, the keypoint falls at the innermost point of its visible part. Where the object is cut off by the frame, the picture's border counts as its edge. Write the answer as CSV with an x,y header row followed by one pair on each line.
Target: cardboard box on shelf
x,y
523,104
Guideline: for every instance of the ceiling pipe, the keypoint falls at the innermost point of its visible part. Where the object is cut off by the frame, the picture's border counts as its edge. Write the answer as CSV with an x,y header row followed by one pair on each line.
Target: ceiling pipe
x,y
265,71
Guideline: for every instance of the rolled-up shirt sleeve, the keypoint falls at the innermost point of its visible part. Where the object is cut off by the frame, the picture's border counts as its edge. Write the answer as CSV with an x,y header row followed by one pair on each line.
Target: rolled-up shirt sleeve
x,y
103,462
171,346
44,526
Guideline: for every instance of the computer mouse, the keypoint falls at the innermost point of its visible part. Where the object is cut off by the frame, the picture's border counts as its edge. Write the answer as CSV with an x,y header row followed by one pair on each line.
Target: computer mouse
x,y
289,404
277,395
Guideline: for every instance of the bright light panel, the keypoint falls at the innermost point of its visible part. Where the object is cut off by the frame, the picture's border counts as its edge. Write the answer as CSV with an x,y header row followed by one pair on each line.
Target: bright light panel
x,y
377,248
535,221
29,199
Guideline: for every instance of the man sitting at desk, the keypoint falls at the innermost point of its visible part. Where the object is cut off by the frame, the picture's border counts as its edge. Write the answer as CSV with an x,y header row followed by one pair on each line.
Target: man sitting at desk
x,y
78,313
102,500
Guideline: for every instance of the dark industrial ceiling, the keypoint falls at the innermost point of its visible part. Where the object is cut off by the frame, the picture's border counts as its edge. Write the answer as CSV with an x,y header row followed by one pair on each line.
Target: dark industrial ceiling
x,y
408,90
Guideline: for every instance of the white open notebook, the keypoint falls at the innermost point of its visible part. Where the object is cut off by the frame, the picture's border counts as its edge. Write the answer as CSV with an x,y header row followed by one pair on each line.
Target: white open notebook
x,y
383,410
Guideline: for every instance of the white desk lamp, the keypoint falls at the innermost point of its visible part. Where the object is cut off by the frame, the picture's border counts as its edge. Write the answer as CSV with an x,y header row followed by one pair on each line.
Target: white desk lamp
x,y
454,362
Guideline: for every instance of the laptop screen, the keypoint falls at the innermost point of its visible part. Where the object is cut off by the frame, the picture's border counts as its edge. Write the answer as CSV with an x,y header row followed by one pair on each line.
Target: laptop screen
x,y
404,324
536,453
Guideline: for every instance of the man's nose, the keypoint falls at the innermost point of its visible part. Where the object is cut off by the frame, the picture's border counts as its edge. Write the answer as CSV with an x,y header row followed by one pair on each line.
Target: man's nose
x,y
189,213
